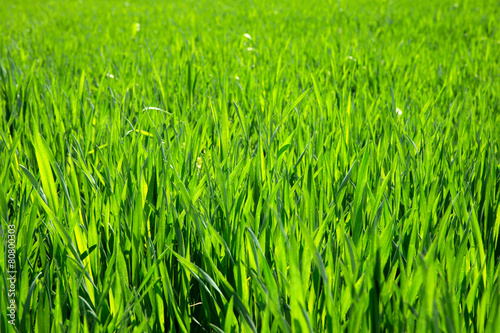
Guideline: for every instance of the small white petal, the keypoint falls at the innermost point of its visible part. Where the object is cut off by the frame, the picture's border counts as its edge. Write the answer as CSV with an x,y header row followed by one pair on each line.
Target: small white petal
x,y
399,112
155,108
247,36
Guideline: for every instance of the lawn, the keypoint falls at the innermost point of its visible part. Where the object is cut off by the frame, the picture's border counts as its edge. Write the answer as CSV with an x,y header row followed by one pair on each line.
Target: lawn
x,y
249,166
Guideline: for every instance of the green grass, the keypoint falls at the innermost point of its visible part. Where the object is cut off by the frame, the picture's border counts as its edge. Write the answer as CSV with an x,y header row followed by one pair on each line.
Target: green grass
x,y
243,166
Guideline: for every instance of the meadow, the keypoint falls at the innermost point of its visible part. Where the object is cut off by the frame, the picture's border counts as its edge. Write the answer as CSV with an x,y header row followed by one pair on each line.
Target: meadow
x,y
250,166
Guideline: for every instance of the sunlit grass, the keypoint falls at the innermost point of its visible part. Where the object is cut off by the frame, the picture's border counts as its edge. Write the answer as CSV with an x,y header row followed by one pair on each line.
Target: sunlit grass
x,y
250,166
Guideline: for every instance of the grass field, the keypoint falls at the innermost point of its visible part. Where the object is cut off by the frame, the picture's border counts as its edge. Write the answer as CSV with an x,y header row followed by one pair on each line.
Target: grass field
x,y
250,166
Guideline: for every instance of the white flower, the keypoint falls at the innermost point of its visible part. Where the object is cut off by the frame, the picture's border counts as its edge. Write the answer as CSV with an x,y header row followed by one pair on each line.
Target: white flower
x,y
237,77
247,36
250,49
111,76
199,163
399,112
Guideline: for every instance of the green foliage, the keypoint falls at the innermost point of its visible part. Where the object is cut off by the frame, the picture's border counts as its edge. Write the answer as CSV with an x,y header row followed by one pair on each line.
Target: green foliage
x,y
251,166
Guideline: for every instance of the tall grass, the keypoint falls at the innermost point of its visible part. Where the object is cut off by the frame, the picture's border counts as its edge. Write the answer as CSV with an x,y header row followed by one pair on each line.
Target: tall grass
x,y
251,166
